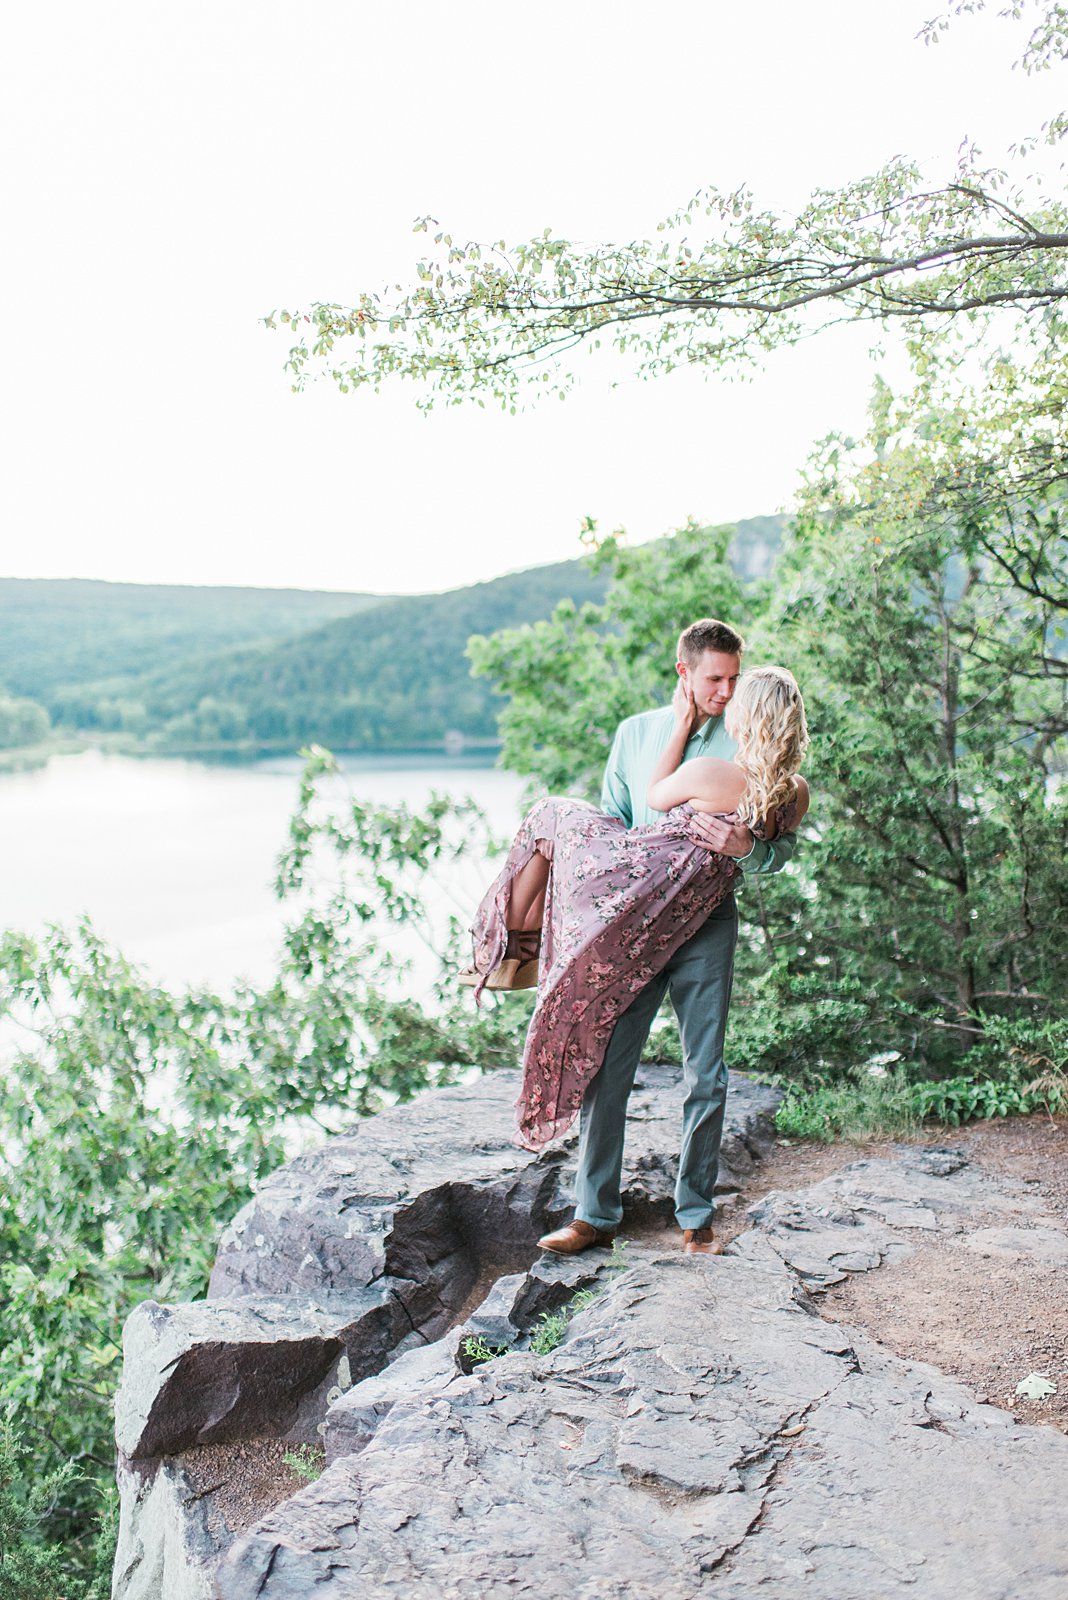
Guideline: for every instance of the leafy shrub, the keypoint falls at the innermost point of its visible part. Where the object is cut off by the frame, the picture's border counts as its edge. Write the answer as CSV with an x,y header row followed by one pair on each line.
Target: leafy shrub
x,y
552,1325
1036,1045
893,1105
849,1110
32,1567
788,1023
135,1122
967,1099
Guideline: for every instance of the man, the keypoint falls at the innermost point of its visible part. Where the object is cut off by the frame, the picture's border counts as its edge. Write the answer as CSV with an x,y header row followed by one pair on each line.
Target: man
x,y
698,976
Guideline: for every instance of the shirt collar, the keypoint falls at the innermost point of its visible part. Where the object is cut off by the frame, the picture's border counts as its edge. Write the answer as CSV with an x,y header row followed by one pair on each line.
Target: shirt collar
x,y
703,737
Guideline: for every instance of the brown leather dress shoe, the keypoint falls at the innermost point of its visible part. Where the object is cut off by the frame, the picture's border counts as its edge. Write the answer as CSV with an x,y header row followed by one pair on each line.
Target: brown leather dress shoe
x,y
574,1237
700,1242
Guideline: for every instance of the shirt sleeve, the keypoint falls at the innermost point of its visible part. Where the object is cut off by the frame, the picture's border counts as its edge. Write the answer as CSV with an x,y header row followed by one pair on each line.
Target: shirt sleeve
x,y
768,856
615,790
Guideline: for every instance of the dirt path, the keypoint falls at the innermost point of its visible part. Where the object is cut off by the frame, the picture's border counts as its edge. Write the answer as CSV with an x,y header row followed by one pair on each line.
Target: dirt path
x,y
989,1321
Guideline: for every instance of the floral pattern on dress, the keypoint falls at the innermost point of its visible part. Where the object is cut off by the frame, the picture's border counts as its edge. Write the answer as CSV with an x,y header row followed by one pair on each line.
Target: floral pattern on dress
x,y
620,901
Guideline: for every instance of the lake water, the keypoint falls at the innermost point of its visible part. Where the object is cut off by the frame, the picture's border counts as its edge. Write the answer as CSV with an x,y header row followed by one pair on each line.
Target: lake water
x,y
173,860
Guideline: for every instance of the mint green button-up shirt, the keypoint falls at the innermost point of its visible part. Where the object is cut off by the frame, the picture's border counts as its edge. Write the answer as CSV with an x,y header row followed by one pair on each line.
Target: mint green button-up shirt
x,y
638,742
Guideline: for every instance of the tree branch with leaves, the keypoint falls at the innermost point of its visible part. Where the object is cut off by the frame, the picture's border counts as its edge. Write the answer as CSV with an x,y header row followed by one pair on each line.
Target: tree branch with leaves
x,y
723,280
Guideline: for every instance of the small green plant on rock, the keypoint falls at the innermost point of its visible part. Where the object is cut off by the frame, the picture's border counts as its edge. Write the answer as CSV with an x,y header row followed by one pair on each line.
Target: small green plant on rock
x,y
552,1325
548,1332
306,1462
477,1350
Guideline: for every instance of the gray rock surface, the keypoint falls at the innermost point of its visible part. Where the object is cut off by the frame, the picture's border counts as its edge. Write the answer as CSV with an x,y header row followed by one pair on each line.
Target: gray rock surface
x,y
438,1193
212,1371
701,1431
362,1253
166,1549
875,1211
354,1418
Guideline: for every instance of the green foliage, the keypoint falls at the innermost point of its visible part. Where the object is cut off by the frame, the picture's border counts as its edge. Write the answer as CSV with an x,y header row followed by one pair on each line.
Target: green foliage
x,y
477,1350
925,618
135,1122
937,699
351,685
720,283
965,1099
342,679
30,1567
22,722
104,1544
1035,1047
866,1107
875,1103
549,1332
56,632
306,1462
724,281
551,1326
792,1022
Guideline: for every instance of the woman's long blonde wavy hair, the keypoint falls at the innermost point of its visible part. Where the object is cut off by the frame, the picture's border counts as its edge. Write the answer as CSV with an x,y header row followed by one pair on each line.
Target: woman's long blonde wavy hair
x,y
766,717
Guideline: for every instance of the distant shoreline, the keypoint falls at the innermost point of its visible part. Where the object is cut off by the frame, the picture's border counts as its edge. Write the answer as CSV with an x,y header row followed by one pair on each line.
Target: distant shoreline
x,y
29,758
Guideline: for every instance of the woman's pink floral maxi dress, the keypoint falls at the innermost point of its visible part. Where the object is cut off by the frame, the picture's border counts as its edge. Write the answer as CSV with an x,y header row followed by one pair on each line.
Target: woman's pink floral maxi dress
x,y
620,901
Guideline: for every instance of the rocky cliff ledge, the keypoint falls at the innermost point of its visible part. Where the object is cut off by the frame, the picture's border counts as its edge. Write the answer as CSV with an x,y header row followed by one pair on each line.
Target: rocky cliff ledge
x,y
701,1430
366,1252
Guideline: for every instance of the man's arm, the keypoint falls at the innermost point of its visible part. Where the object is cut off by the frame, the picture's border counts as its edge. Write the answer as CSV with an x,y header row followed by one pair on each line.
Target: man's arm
x,y
768,856
756,857
615,790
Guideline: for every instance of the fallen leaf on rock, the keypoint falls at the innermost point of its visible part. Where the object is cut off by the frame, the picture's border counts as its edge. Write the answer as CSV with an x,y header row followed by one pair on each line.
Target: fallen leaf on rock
x,y
1036,1386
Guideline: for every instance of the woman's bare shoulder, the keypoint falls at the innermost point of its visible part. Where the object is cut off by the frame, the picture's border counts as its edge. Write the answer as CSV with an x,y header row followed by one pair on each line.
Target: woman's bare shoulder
x,y
714,767
712,783
714,772
803,796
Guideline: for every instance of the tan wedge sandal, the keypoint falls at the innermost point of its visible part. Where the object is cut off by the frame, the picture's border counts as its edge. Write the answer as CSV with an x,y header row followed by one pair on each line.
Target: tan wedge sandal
x,y
518,969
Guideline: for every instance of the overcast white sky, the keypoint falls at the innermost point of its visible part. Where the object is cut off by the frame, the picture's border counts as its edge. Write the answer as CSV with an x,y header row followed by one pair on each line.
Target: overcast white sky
x,y
170,173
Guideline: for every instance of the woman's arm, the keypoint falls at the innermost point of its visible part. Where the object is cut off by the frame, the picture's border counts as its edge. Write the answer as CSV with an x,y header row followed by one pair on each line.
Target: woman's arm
x,y
682,704
710,782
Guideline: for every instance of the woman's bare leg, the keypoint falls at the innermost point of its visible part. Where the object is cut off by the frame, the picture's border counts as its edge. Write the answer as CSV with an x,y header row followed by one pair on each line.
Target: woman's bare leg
x,y
517,964
526,902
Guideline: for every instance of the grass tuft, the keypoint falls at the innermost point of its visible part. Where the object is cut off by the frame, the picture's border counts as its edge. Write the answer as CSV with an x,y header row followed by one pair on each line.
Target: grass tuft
x,y
890,1106
306,1462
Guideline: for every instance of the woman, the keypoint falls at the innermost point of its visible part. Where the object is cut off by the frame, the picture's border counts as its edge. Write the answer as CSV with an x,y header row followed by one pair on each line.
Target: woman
x,y
592,910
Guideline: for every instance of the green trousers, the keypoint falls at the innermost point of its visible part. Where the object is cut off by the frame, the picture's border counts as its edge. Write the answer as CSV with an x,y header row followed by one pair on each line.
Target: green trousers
x,y
698,979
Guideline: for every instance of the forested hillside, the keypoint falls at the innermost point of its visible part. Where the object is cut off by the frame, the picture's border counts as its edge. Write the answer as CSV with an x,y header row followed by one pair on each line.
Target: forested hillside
x,y
394,676
241,671
57,632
